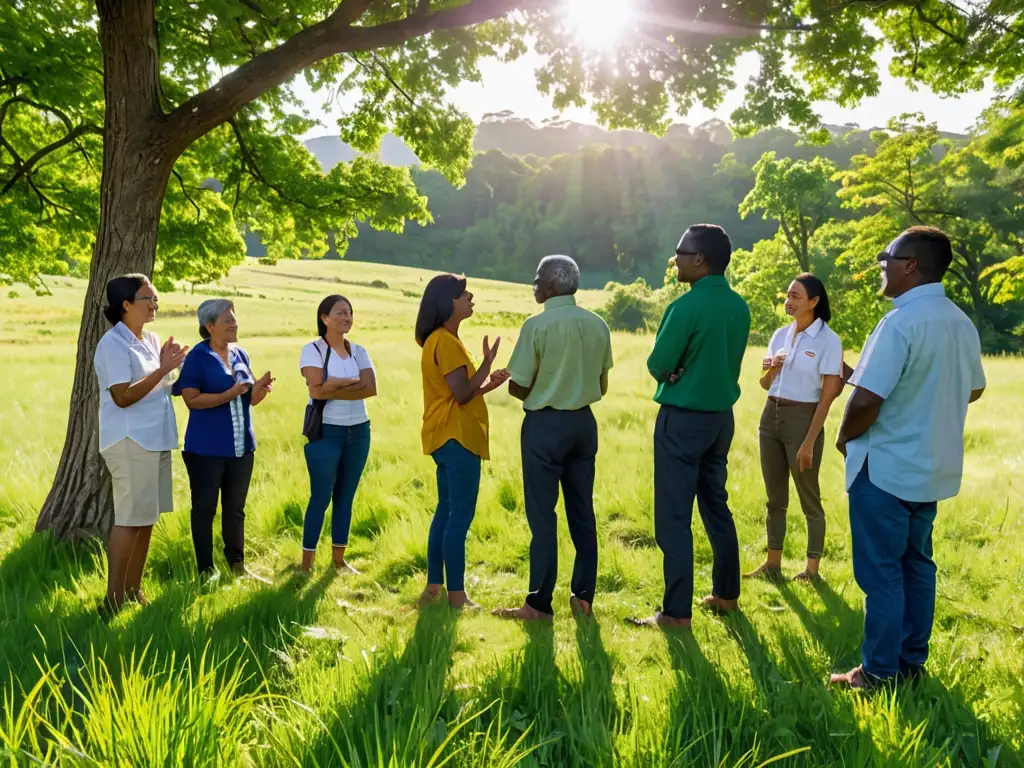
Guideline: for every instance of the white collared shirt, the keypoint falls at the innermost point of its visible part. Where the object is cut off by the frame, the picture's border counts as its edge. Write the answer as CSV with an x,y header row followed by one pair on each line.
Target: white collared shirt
x,y
811,354
924,360
122,358
341,413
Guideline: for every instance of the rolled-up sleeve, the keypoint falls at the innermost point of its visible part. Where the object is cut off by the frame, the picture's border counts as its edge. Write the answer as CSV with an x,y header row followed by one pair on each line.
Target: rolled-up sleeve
x,y
113,363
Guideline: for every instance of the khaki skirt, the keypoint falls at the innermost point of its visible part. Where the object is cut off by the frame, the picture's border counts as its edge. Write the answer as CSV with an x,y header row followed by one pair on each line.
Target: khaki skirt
x,y
141,482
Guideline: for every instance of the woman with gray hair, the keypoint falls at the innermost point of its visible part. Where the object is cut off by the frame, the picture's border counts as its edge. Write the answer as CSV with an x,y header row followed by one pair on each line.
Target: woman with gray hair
x,y
218,387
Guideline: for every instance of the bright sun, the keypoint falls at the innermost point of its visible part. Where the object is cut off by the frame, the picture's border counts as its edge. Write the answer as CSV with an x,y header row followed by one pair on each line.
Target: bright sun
x,y
598,24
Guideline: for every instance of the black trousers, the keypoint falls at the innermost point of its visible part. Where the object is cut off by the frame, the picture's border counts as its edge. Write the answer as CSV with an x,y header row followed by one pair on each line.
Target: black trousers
x,y
691,450
559,448
212,478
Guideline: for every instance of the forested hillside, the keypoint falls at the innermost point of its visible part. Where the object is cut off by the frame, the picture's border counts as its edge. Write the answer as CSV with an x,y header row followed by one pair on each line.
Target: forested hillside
x,y
614,200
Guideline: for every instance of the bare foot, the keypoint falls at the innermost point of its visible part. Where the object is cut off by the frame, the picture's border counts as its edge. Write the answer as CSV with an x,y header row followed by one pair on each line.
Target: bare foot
x,y
460,602
579,607
718,606
807,577
856,680
767,572
343,568
526,613
133,595
241,572
660,621
429,596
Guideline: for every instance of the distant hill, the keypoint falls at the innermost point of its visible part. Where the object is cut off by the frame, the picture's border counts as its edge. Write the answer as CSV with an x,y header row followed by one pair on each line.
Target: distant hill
x,y
519,136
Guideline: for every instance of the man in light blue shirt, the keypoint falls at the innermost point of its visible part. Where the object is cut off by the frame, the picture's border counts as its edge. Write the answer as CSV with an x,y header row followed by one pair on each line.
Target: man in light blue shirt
x,y
903,437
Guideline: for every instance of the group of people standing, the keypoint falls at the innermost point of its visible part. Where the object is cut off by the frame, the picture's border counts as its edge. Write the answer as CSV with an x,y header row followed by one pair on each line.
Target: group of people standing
x,y
920,368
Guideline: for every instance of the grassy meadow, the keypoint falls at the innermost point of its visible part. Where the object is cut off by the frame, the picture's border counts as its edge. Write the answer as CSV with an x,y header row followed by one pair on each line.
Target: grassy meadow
x,y
342,671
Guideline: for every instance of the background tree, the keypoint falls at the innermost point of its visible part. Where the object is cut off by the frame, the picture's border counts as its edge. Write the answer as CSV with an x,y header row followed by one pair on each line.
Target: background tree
x,y
207,79
795,193
915,178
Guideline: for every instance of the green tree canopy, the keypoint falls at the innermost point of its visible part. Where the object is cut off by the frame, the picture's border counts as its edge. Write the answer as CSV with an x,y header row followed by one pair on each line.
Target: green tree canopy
x,y
795,193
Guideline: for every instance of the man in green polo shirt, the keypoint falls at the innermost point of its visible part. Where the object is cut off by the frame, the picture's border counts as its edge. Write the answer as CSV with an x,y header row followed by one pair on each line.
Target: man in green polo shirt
x,y
559,368
696,361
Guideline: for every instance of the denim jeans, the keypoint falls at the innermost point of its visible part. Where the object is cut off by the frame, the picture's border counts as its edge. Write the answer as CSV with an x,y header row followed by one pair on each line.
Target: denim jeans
x,y
892,562
458,484
335,463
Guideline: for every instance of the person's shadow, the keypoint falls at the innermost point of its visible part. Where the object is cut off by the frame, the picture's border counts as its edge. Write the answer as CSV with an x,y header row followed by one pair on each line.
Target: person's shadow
x,y
837,629
403,711
701,707
596,711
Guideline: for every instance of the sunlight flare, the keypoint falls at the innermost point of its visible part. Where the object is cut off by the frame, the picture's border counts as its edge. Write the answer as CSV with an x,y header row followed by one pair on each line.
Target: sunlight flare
x,y
598,24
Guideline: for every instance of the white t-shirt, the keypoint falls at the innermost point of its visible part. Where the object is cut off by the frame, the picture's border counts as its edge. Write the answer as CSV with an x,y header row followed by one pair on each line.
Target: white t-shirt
x,y
812,353
122,358
341,413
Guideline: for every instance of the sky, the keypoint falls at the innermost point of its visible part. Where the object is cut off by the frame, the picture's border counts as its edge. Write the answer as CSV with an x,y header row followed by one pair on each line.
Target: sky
x,y
512,86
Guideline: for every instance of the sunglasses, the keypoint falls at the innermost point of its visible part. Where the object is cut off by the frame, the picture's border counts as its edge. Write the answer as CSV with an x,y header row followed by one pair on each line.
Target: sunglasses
x,y
884,256
687,253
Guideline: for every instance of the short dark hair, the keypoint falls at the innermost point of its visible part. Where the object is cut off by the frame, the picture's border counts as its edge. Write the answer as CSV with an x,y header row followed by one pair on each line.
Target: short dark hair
x,y
816,289
713,241
120,290
325,309
931,249
438,304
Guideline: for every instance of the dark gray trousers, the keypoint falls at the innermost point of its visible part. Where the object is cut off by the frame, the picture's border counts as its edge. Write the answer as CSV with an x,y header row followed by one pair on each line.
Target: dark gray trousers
x,y
559,449
691,451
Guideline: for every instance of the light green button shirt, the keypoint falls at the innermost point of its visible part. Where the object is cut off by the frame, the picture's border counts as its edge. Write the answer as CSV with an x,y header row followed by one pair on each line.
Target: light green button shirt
x,y
561,355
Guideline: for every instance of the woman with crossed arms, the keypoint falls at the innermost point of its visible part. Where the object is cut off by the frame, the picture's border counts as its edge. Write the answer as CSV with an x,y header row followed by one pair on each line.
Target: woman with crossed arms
x,y
803,374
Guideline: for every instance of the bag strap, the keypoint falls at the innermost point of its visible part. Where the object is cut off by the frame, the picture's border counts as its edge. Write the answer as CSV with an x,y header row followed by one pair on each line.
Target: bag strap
x,y
326,358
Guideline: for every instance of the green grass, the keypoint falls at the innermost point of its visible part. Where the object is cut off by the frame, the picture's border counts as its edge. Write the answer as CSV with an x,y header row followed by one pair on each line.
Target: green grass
x,y
344,672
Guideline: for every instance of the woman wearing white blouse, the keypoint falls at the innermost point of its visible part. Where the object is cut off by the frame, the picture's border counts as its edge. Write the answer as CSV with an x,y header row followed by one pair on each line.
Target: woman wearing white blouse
x,y
336,461
803,374
137,429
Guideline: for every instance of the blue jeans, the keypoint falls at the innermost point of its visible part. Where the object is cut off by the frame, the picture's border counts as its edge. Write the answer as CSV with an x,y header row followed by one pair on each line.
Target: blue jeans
x,y
458,484
335,463
892,562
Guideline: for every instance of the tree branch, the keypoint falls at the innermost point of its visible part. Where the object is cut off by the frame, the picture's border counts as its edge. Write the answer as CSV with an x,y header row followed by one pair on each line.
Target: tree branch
x,y
26,167
250,165
181,183
334,35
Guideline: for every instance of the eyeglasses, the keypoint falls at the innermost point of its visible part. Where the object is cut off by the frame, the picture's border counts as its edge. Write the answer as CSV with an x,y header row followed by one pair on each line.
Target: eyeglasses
x,y
883,257
151,299
687,253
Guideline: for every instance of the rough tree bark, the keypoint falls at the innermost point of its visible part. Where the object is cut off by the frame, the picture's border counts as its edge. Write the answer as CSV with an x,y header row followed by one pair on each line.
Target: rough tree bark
x,y
137,162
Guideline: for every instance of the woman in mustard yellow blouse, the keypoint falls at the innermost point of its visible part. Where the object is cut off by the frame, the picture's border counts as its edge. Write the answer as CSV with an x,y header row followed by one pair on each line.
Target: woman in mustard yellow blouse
x,y
455,429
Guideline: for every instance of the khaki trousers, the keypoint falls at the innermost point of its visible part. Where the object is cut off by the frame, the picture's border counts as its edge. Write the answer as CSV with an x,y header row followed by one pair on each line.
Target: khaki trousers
x,y
782,431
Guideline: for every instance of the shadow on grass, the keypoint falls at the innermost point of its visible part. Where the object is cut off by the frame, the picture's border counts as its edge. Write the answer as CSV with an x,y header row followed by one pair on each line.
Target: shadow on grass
x,y
41,610
706,719
838,629
401,715
593,717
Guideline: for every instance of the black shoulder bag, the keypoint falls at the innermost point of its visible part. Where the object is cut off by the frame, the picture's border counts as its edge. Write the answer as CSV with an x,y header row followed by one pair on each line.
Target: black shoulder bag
x,y
313,422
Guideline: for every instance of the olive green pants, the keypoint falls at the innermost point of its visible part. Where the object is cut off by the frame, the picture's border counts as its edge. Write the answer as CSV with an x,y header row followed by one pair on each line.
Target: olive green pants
x,y
782,431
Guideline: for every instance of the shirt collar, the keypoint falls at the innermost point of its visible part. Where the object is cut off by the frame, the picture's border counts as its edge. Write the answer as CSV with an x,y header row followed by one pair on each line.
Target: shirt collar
x,y
125,332
928,289
559,301
711,281
813,329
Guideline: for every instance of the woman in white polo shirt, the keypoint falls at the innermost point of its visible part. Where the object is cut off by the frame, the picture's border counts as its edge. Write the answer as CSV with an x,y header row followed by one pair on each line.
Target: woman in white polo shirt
x,y
803,375
137,429
336,460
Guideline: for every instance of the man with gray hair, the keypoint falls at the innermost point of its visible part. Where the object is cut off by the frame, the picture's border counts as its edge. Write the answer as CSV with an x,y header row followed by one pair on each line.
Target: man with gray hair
x,y
559,368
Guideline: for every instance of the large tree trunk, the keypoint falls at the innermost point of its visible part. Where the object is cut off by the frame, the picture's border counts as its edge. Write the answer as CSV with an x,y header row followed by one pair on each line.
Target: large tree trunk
x,y
137,161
